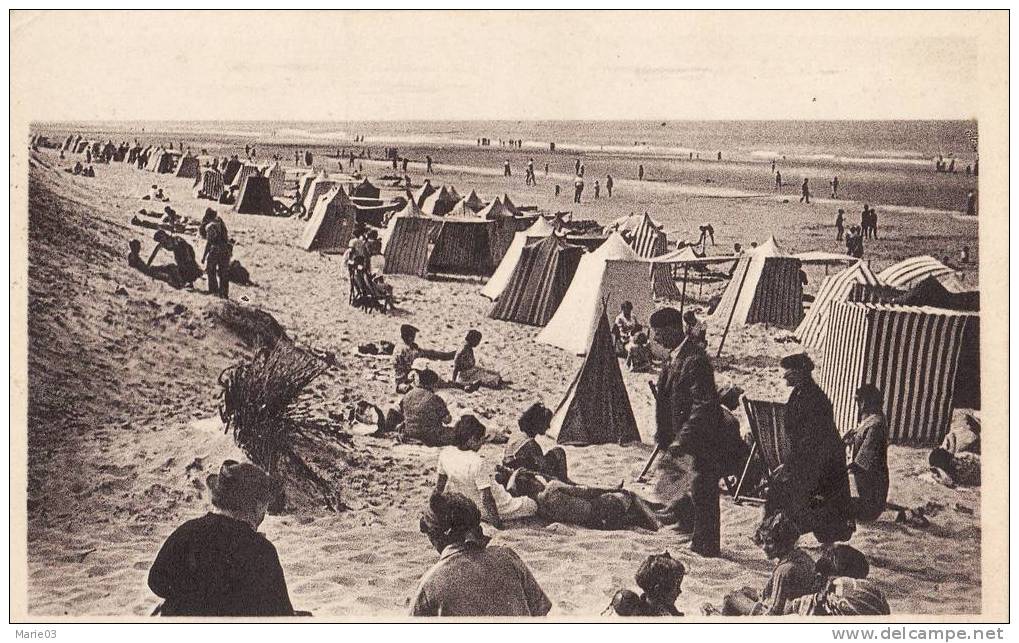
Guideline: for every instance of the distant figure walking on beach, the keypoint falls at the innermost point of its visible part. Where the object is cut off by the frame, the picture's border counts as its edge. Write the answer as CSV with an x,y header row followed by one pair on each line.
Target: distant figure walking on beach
x,y
840,224
640,172
805,192
557,189
405,161
578,188
597,189
297,157
576,167
971,203
772,166
582,168
546,169
778,181
428,164
835,187
608,184
873,223
506,171
719,156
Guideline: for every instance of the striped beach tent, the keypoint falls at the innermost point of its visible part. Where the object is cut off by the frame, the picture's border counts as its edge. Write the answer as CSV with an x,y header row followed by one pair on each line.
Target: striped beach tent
x,y
209,184
765,288
189,167
408,244
254,197
596,408
316,190
242,175
332,222
538,230
277,178
462,247
910,353
880,294
304,183
908,273
837,287
610,275
648,240
539,282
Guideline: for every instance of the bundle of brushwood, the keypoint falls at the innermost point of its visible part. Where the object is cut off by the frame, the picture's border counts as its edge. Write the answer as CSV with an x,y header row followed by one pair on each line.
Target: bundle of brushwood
x,y
264,406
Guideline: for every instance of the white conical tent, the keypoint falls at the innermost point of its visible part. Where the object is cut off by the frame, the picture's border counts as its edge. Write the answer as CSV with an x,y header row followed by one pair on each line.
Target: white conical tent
x,y
611,274
765,288
539,229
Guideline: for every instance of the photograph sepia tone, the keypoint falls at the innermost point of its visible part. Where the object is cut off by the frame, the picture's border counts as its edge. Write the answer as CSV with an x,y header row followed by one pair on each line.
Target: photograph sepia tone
x,y
388,315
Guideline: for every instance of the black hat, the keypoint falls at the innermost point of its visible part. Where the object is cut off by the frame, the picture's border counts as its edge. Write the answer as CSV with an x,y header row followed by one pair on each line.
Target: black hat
x,y
665,317
209,214
798,361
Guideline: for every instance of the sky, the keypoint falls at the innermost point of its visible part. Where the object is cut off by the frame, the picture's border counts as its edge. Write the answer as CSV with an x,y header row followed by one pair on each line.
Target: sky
x,y
495,65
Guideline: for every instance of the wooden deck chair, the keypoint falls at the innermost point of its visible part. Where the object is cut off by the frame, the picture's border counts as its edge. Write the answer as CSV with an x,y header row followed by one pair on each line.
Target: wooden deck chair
x,y
767,424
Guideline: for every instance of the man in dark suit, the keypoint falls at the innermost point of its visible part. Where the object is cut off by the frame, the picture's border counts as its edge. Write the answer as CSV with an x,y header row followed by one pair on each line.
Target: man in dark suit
x,y
812,485
688,416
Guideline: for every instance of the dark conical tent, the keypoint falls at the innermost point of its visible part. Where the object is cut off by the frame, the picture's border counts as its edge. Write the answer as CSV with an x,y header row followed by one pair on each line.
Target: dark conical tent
x,y
596,408
189,167
541,278
440,203
255,197
233,166
331,224
365,190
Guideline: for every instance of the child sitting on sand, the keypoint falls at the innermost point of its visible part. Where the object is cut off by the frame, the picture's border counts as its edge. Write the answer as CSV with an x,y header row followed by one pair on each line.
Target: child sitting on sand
x,y
660,577
465,368
841,588
524,452
638,354
792,577
462,469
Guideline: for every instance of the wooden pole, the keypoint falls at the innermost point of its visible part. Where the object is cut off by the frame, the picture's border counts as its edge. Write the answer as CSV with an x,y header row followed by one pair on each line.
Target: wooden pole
x,y
682,297
732,312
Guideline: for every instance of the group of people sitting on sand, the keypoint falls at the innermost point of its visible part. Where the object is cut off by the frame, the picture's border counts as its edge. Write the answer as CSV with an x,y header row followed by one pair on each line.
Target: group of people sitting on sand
x,y
220,565
82,170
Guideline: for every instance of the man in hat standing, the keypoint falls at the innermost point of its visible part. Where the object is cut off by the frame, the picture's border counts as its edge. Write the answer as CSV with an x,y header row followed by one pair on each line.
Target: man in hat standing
x,y
218,251
812,484
219,565
471,577
688,416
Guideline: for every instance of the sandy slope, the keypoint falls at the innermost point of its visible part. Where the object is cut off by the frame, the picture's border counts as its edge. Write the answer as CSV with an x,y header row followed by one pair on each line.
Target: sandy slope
x,y
118,383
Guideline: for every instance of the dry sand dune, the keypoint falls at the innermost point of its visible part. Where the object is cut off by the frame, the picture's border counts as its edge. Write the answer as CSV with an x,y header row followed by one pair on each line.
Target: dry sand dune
x,y
122,386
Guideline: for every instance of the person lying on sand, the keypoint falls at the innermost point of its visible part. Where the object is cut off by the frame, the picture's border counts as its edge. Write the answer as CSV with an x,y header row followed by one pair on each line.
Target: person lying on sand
x,y
403,363
219,565
168,273
465,367
472,578
524,452
463,470
183,256
660,577
792,577
841,588
590,507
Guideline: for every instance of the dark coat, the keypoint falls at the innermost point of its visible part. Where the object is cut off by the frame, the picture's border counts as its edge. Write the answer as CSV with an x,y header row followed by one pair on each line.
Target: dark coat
x,y
687,411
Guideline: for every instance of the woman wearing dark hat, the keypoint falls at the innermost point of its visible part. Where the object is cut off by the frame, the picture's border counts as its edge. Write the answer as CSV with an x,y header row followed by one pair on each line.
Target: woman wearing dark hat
x,y
472,578
868,443
219,565
812,485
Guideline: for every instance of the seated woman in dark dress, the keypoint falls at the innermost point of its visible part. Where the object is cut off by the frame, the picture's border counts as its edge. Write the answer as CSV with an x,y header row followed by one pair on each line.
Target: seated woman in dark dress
x,y
524,452
218,565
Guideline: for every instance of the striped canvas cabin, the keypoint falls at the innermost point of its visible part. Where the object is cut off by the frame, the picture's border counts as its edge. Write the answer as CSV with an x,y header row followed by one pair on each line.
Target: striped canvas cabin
x,y
408,245
462,247
539,282
209,185
837,287
868,294
908,273
910,353
648,241
765,289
